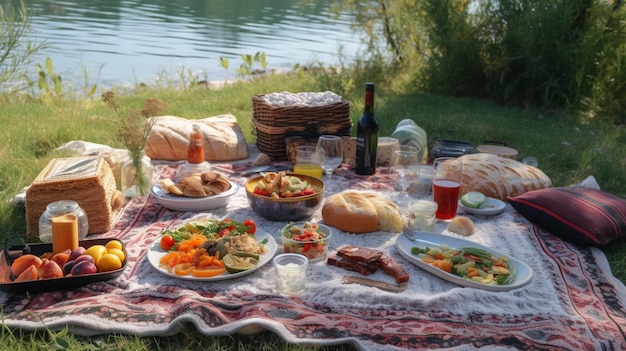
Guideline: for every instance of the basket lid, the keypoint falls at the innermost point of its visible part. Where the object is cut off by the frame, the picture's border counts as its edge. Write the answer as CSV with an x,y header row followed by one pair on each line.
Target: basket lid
x,y
502,151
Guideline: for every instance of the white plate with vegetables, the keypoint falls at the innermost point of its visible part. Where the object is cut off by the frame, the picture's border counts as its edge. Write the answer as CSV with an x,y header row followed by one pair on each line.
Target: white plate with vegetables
x,y
502,273
213,230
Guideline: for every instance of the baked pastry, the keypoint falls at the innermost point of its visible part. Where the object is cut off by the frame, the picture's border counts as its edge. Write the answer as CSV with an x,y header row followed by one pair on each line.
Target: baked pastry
x,y
358,212
500,177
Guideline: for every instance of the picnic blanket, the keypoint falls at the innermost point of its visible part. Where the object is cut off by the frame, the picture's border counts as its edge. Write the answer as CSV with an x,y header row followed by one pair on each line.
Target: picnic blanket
x,y
572,302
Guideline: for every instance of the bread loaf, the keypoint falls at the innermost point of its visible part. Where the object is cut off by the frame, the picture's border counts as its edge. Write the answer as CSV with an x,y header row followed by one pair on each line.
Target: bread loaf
x,y
389,218
500,177
350,212
223,138
356,212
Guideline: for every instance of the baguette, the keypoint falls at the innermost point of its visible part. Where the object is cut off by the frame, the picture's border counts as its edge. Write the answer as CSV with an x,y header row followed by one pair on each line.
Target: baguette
x,y
500,177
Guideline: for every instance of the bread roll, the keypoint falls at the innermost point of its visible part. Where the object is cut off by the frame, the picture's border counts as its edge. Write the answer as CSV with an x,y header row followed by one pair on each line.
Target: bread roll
x,y
500,177
461,225
350,212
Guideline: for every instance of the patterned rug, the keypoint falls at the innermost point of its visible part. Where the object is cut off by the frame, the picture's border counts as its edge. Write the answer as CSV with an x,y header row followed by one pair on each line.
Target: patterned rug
x,y
572,303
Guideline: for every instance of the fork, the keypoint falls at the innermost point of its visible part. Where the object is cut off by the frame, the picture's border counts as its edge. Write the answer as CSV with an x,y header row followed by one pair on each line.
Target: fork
x,y
413,236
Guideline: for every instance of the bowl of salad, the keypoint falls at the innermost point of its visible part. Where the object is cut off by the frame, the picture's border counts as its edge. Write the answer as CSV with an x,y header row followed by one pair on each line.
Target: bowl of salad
x,y
306,238
284,196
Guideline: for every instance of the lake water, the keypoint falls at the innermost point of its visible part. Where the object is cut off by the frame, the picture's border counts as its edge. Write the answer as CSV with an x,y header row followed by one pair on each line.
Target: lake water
x,y
118,42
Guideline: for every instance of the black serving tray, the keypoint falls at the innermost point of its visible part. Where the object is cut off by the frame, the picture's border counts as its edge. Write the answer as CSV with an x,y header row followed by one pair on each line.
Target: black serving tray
x,y
64,283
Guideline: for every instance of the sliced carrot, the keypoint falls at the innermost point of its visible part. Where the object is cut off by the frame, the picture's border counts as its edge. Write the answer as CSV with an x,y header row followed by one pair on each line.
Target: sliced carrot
x,y
205,261
428,258
206,272
186,258
445,265
183,269
174,260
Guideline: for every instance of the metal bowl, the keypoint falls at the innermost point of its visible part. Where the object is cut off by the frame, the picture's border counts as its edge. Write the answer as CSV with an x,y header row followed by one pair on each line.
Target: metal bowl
x,y
286,209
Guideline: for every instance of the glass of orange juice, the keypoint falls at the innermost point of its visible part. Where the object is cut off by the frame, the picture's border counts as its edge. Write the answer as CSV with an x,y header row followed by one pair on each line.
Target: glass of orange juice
x,y
309,161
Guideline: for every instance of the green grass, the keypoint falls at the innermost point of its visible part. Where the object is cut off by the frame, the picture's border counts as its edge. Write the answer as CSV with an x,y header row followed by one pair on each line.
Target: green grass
x,y
567,151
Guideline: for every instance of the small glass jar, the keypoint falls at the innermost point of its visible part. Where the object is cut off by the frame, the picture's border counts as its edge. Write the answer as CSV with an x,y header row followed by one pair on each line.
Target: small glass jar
x,y
59,208
422,215
136,175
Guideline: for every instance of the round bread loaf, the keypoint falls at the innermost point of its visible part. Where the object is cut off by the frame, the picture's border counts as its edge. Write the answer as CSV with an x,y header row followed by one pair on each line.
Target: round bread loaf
x,y
350,212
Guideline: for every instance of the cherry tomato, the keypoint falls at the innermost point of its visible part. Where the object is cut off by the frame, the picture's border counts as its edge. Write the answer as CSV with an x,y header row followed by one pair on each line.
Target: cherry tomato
x,y
167,241
250,226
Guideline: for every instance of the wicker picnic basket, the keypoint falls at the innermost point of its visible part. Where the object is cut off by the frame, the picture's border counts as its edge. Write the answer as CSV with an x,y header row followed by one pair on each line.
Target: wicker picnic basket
x,y
273,124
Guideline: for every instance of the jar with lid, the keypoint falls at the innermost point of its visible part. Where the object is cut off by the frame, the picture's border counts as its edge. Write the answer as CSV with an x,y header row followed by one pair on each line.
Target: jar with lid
x,y
59,208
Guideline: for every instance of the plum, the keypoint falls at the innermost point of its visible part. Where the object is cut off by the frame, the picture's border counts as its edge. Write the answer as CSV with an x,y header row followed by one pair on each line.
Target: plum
x,y
67,267
84,257
84,267
77,252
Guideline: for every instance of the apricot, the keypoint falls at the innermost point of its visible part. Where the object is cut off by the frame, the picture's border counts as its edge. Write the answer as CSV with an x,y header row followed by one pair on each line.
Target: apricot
x,y
30,273
23,263
62,257
50,270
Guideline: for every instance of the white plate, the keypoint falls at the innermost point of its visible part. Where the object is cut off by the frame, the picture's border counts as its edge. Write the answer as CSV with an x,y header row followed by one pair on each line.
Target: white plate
x,y
156,252
493,207
523,272
183,203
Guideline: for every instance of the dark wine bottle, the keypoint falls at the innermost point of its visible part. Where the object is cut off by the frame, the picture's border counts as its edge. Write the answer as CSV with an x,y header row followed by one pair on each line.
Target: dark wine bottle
x,y
367,135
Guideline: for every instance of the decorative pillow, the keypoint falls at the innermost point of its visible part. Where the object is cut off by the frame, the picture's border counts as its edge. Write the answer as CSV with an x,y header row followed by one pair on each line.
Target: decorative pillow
x,y
581,216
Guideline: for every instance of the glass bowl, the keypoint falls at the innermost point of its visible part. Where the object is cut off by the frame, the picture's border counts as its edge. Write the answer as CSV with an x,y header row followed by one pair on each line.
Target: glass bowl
x,y
306,238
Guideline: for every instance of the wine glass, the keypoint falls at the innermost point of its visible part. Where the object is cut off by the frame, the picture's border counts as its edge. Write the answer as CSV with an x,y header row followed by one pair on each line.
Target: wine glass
x,y
331,144
404,169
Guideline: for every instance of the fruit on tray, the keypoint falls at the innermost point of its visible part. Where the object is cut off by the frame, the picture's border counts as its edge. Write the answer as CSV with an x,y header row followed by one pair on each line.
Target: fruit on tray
x,y
80,261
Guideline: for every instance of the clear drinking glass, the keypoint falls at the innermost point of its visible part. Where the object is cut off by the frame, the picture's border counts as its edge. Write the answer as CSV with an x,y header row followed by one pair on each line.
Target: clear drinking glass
x,y
404,168
331,144
447,179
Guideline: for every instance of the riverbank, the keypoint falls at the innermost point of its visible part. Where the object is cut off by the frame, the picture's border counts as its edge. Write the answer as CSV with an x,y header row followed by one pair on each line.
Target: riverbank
x,y
567,151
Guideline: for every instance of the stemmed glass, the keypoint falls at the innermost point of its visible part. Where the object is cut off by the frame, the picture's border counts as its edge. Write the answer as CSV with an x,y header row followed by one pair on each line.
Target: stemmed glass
x,y
331,144
404,169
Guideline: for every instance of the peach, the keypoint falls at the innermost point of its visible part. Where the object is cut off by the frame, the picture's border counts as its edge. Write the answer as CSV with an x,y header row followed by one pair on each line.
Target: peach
x,y
30,273
23,263
50,269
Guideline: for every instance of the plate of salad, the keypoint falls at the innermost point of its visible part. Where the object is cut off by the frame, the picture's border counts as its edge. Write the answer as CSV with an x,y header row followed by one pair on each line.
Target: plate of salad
x,y
464,262
212,249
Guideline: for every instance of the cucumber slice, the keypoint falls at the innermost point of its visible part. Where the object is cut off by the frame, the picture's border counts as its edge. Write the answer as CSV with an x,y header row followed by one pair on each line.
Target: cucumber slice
x,y
474,199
